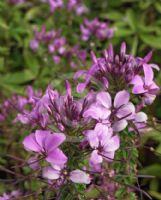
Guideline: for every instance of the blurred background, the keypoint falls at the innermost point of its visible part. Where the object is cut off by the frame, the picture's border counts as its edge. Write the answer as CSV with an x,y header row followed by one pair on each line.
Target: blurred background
x,y
42,43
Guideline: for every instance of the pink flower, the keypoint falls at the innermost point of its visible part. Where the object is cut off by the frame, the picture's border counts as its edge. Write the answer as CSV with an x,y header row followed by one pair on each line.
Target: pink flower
x,y
103,143
116,114
145,85
46,144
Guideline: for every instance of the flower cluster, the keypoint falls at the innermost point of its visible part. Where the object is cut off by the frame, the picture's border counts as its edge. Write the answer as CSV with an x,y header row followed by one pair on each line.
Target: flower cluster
x,y
100,30
18,103
56,46
71,5
118,72
91,124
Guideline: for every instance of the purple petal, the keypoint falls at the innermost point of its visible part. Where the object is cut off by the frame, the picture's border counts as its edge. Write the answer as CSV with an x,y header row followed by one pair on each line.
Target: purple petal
x,y
126,111
149,75
119,125
50,173
121,98
92,138
97,112
30,143
104,133
109,156
81,87
78,176
52,141
40,136
95,159
138,89
57,157
137,80
112,144
104,99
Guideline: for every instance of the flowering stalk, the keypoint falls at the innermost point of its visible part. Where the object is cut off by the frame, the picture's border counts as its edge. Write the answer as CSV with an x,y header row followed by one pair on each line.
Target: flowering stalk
x,y
86,141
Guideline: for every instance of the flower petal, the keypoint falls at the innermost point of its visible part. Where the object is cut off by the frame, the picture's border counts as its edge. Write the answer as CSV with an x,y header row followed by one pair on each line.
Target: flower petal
x,y
113,144
149,75
92,138
78,176
30,143
137,80
126,111
104,99
141,117
95,159
56,157
52,141
50,173
119,125
97,112
121,98
138,89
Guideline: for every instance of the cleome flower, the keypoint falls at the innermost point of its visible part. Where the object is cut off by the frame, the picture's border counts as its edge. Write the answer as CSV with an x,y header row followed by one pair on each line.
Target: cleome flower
x,y
46,144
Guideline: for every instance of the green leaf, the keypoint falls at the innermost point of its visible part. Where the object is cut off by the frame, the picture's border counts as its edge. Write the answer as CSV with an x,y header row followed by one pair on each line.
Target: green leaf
x,y
155,194
153,170
151,40
131,19
123,32
17,77
112,15
93,193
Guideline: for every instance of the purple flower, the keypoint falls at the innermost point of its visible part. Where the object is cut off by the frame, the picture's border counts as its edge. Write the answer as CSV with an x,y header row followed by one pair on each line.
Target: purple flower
x,y
145,85
103,143
113,72
76,176
54,4
46,144
97,28
34,45
117,114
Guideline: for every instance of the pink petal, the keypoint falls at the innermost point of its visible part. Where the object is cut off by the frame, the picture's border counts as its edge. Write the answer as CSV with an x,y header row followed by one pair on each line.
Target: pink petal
x,y
109,156
81,87
50,173
52,141
137,80
126,111
112,144
149,75
104,133
30,143
95,159
121,98
40,136
104,99
92,138
56,157
138,89
119,125
97,112
78,176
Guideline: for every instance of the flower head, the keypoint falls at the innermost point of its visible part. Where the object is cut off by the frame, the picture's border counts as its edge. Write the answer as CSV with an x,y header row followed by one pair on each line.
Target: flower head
x,y
46,144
